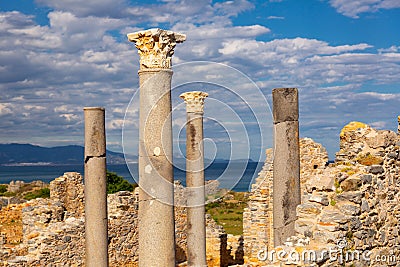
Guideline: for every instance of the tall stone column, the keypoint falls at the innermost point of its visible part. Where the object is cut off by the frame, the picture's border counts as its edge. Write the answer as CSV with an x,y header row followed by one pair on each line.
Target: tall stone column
x,y
96,236
156,195
196,222
286,181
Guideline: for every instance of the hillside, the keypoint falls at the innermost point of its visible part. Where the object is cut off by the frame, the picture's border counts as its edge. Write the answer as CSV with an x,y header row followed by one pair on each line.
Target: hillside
x,y
16,154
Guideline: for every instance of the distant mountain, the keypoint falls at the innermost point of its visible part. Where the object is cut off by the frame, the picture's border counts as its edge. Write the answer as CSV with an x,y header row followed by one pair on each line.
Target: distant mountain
x,y
19,154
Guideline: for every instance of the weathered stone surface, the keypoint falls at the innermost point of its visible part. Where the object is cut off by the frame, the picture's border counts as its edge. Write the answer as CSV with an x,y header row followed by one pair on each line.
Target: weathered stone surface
x,y
96,234
320,182
351,184
195,182
375,169
286,182
308,210
363,216
156,181
51,239
156,47
319,197
285,104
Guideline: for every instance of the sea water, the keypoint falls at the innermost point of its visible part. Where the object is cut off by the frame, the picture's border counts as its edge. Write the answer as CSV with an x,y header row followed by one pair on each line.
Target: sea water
x,y
233,175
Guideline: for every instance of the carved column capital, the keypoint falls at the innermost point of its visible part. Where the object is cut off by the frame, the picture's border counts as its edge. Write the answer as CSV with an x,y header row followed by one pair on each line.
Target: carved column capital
x,y
194,101
156,47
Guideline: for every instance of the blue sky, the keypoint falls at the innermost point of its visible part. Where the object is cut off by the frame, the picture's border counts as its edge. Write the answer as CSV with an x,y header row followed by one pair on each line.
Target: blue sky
x,y
58,56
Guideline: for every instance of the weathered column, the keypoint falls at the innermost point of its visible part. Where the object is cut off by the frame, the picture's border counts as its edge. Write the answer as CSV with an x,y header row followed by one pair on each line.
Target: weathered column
x,y
286,181
156,195
398,127
196,222
96,236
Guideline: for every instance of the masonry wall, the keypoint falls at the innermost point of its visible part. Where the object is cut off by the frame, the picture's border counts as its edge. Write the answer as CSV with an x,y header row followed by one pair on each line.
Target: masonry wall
x,y
53,229
350,206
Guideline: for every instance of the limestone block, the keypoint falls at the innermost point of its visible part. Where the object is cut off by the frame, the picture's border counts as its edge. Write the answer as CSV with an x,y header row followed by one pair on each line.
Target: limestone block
x,y
351,184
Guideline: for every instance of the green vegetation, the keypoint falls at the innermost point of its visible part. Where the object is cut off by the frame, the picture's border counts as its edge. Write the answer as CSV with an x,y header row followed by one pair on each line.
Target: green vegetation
x,y
228,211
117,183
3,188
8,194
333,202
338,190
348,170
41,193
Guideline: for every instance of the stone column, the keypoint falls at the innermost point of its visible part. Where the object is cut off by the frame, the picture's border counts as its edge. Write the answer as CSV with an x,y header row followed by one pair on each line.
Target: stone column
x,y
398,127
156,195
286,181
196,222
96,236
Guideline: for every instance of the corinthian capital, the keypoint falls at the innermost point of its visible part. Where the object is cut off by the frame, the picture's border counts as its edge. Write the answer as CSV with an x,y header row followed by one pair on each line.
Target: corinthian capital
x,y
194,101
156,47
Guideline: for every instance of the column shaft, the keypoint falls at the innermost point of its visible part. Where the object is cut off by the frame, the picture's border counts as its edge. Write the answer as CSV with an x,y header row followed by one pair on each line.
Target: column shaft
x,y
96,236
156,195
156,210
196,224
286,171
195,182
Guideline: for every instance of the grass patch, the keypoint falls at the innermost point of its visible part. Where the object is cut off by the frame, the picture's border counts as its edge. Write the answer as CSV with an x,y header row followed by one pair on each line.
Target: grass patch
x,y
8,194
350,171
368,160
228,212
41,193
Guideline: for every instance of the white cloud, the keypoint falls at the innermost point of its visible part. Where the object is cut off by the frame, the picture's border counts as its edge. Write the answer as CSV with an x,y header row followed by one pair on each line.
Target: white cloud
x,y
5,108
70,117
88,7
275,17
391,49
75,62
62,108
355,7
34,108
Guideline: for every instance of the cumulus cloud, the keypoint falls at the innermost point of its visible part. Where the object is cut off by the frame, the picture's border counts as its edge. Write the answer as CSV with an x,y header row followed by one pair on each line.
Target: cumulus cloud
x,y
201,11
354,8
99,8
50,72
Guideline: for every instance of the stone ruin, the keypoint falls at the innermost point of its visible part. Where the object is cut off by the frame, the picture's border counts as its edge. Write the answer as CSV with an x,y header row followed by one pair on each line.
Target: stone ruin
x,y
54,234
353,202
349,208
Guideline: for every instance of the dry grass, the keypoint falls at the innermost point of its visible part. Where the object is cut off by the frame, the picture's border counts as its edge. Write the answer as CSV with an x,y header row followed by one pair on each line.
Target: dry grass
x,y
228,212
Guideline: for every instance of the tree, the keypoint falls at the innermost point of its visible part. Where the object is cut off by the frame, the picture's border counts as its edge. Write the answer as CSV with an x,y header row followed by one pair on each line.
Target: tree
x,y
117,183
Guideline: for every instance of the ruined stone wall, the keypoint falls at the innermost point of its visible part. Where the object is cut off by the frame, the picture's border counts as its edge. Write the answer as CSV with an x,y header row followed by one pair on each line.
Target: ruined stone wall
x,y
351,207
68,190
54,228
257,216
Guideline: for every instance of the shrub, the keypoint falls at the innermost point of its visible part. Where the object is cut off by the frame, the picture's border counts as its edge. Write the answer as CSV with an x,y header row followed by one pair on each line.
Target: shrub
x,y
116,183
3,188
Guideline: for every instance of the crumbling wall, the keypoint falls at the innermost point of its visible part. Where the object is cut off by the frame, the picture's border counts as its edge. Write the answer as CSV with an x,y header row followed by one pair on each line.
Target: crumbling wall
x,y
68,191
258,215
349,208
54,229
